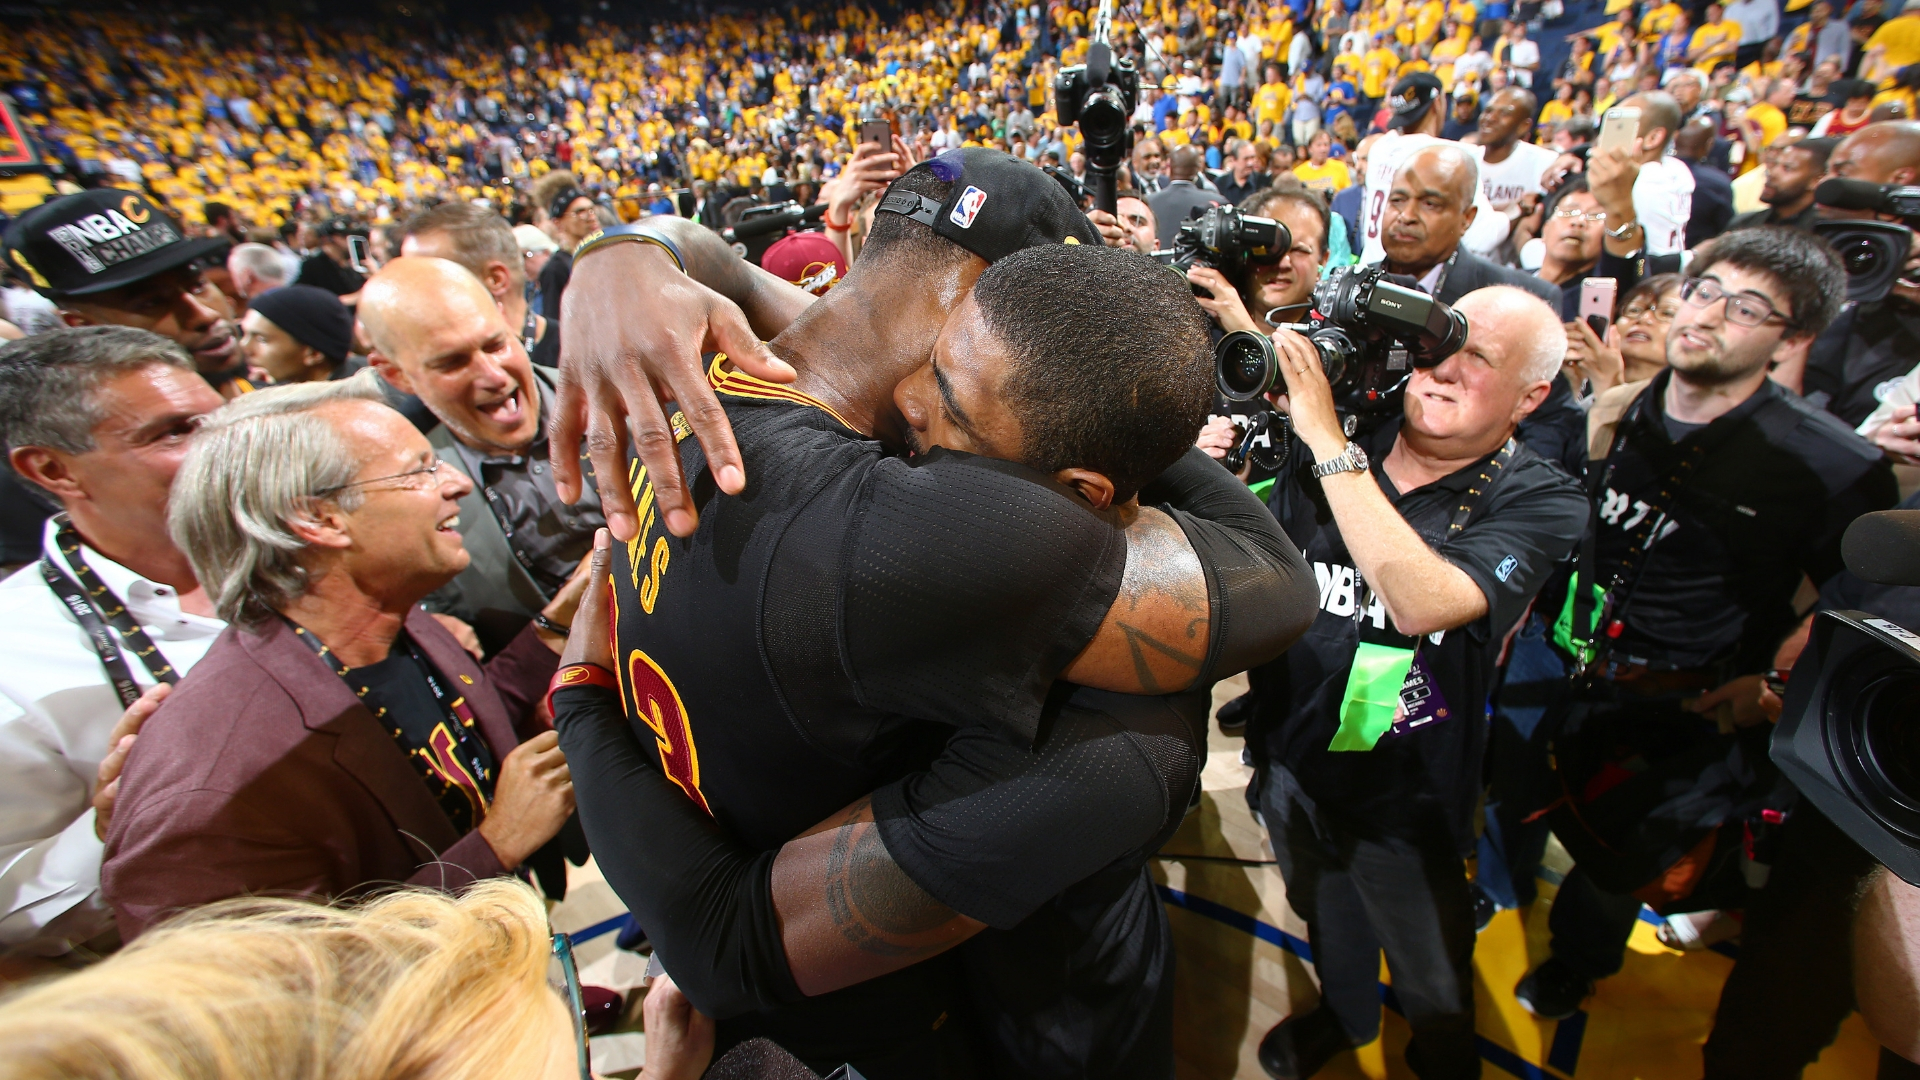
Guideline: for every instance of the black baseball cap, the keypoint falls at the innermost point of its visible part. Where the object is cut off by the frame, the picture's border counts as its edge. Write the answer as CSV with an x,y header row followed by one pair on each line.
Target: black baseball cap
x,y
99,240
999,204
1412,97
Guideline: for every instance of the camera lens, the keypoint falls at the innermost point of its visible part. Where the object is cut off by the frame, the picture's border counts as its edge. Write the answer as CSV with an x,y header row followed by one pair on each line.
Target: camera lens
x,y
1246,365
1861,258
1876,743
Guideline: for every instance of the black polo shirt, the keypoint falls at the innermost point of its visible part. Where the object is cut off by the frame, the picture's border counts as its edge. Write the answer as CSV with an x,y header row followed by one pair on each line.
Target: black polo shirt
x,y
1866,350
1775,487
1522,525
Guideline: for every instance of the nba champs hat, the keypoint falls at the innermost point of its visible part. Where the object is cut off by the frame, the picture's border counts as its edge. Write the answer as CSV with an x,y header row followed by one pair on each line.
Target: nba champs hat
x,y
999,204
99,240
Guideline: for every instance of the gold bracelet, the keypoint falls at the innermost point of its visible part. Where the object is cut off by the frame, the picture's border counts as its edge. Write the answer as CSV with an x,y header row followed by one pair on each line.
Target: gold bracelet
x,y
602,237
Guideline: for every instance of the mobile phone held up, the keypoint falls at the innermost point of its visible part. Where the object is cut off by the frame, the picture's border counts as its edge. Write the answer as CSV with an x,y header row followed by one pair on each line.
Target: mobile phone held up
x,y
1596,303
877,131
1620,127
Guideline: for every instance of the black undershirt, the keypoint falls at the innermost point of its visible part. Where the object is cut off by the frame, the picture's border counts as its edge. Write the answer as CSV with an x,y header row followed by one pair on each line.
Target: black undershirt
x,y
398,684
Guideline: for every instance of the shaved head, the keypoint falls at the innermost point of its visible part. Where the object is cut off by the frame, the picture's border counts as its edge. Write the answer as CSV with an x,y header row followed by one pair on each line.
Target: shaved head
x,y
438,334
1658,112
1184,163
1443,167
1883,153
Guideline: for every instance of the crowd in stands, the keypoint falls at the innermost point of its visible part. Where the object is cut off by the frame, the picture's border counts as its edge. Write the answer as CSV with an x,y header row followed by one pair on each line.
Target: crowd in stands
x,y
311,521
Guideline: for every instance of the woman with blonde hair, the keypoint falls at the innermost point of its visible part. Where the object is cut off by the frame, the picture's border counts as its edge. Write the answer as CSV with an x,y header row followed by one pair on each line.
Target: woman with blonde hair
x,y
416,984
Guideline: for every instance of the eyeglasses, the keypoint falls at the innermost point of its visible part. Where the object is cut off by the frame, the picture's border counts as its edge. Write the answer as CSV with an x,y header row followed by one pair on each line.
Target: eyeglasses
x,y
432,471
1572,213
1743,309
582,212
576,1005
1656,312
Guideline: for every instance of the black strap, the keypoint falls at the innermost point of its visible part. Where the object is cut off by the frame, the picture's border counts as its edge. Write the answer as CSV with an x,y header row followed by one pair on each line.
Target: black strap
x,y
1495,471
96,607
530,330
1620,589
466,809
912,204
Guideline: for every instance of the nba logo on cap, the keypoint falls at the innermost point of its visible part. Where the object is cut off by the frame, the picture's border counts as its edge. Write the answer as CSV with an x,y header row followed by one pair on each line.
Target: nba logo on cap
x,y
968,207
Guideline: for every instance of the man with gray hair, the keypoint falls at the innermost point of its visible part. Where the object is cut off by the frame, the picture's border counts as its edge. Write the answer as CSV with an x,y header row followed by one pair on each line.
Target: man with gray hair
x,y
255,268
335,737
1430,534
481,240
111,615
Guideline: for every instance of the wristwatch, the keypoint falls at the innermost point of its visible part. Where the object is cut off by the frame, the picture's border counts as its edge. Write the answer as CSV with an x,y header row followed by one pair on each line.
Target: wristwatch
x,y
1353,459
1626,228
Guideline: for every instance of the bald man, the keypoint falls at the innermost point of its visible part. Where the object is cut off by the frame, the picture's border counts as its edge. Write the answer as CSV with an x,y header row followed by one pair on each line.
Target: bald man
x,y
1181,196
438,334
1415,127
1510,166
1427,212
1862,369
1367,764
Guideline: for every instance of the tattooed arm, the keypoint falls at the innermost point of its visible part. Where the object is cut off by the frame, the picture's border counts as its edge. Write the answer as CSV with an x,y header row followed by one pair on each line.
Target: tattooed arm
x,y
1155,636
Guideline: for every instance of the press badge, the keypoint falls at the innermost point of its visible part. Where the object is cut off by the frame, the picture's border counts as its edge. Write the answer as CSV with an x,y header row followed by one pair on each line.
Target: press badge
x,y
1421,702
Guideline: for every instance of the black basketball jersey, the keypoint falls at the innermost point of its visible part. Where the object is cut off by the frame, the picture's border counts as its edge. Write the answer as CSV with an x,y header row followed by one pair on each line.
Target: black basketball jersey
x,y
826,630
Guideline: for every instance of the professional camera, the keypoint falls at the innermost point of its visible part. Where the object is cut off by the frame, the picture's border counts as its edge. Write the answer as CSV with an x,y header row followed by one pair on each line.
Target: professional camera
x,y
1100,96
1370,332
1849,735
761,226
1874,253
1229,241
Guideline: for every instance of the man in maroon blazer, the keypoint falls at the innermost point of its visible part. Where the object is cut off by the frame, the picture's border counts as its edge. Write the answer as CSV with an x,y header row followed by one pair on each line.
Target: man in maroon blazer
x,y
335,739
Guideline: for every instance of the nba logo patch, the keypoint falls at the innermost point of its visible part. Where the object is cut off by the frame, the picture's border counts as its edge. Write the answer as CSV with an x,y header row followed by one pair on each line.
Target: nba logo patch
x,y
968,207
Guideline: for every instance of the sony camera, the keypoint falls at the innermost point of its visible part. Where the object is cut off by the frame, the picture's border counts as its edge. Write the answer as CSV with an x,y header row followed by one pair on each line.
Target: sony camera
x,y
1849,735
1874,253
760,226
1230,242
1370,332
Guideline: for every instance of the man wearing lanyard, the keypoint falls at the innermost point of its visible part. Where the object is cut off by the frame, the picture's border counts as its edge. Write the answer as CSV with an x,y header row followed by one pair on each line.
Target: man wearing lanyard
x,y
438,333
334,738
482,241
98,418
1718,492
1429,534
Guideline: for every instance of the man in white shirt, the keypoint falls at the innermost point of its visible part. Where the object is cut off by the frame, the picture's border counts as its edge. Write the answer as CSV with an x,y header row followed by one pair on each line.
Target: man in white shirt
x,y
1510,167
1415,126
99,417
1523,54
1663,192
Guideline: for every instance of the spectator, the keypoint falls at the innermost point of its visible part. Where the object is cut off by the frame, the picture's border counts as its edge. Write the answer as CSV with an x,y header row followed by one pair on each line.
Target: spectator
x,y
1427,213
223,224
1710,207
1574,231
98,418
1634,351
1704,605
536,248
1792,172
570,218
480,240
1511,167
1179,198
1855,370
255,268
1822,39
1370,841
155,285
298,333
1243,176
1137,218
1894,45
1715,42
333,266
1322,172
1855,110
412,984
1759,22
324,518
1663,188
1523,54
440,335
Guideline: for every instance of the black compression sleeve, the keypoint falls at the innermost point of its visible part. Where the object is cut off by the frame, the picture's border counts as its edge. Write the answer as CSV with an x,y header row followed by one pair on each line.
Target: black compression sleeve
x,y
706,902
1261,589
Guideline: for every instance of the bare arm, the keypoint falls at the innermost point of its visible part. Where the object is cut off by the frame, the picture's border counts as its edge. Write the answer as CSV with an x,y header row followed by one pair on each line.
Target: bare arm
x,y
1154,638
1421,591
1886,963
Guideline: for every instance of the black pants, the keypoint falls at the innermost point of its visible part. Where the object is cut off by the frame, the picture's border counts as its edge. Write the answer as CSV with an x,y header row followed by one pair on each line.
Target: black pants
x,y
1360,895
1793,984
1531,699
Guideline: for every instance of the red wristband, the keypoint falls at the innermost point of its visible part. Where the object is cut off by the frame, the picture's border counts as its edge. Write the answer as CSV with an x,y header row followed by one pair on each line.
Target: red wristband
x,y
836,228
580,675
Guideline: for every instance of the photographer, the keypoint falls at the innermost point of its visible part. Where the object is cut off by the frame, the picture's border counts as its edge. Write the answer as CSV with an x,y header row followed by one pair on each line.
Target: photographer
x,y
1854,370
1430,535
1718,491
1284,284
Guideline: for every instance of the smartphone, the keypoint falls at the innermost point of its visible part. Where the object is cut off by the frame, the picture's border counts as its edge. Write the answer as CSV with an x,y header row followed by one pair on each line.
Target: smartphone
x,y
1596,302
1620,127
877,131
357,254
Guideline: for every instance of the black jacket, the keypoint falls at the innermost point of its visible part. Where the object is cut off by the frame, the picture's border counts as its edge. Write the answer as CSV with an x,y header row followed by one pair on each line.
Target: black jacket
x,y
1712,204
1802,220
1470,272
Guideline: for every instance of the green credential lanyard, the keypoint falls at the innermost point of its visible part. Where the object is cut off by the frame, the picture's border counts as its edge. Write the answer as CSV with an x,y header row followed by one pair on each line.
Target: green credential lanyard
x,y
1390,689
